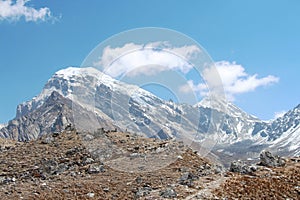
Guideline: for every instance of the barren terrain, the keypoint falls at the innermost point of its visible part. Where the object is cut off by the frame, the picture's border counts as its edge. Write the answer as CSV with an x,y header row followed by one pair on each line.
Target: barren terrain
x,y
72,165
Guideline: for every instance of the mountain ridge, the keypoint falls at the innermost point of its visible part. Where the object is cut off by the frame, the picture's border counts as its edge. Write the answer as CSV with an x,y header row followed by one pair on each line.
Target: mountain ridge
x,y
95,100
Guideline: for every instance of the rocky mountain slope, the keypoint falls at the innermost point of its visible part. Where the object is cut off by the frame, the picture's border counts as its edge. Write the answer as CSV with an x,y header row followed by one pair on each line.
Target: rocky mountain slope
x,y
63,166
90,100
53,115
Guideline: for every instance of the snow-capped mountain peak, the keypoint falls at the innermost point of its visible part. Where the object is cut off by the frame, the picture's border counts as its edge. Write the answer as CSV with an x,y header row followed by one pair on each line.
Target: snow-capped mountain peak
x,y
101,101
71,81
223,105
75,72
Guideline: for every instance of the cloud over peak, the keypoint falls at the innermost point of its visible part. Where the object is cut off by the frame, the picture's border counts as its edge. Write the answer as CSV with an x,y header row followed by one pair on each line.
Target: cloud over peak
x,y
234,78
150,59
136,59
15,10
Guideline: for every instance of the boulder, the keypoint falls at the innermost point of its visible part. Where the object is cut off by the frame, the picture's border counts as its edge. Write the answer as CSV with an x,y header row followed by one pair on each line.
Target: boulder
x,y
187,178
168,193
96,168
144,191
241,167
269,160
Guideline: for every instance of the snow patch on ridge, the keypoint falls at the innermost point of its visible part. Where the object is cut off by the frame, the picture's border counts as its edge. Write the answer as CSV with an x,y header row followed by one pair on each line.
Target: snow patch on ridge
x,y
2,125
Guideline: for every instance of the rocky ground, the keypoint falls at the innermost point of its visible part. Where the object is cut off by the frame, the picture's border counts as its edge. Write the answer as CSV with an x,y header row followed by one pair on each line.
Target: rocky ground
x,y
114,165
263,182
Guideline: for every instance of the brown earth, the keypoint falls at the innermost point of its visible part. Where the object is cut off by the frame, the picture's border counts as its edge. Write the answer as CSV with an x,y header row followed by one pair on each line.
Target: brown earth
x,y
113,165
62,168
267,183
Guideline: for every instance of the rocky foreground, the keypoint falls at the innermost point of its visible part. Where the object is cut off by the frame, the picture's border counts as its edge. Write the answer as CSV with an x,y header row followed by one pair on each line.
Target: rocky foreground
x,y
114,165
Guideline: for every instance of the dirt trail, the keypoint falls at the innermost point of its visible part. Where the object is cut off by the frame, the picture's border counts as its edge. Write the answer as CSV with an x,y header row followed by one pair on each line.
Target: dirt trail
x,y
206,192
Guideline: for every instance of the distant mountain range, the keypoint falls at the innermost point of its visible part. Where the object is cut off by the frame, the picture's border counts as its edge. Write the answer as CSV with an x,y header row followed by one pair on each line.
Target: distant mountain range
x,y
89,99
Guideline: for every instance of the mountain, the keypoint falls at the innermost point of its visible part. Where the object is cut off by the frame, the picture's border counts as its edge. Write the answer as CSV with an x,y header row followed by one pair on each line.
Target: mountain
x,y
286,132
236,125
89,99
47,118
132,108
53,115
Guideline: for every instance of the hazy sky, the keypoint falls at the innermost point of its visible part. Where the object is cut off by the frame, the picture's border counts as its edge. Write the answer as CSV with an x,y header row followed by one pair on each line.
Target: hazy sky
x,y
256,44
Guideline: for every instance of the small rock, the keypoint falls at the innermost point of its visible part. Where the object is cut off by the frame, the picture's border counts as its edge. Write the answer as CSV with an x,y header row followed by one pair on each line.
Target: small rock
x,y
72,151
47,140
69,127
183,169
73,174
122,141
2,179
96,168
55,134
253,168
159,150
218,169
88,161
143,192
106,189
179,157
88,137
134,155
138,180
187,178
91,195
61,168
168,193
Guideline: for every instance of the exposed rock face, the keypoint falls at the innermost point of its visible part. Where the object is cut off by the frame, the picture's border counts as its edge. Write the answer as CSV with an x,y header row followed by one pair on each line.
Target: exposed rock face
x,y
54,115
269,160
51,117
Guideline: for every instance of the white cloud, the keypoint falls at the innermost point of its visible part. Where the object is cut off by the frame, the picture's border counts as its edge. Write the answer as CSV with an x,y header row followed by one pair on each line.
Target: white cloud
x,y
15,10
234,80
191,87
135,59
279,114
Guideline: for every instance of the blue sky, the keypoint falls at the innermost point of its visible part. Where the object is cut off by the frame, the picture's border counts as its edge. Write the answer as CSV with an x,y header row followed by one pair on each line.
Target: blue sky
x,y
263,37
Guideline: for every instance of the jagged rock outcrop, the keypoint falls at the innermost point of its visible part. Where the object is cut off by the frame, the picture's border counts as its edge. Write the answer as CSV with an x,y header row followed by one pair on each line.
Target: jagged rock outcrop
x,y
269,160
54,115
